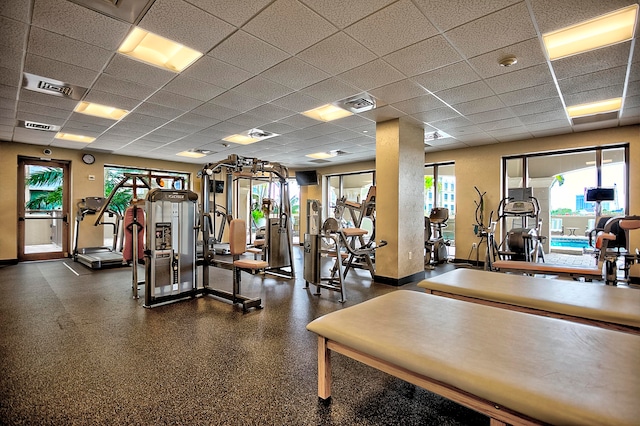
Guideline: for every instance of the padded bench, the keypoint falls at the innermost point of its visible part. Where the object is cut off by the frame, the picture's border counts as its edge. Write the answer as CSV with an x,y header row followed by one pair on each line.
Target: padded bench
x,y
522,267
604,306
513,367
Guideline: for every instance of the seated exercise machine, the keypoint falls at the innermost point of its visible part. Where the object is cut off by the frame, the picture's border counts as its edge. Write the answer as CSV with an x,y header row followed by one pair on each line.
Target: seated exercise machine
x,y
610,239
434,243
101,256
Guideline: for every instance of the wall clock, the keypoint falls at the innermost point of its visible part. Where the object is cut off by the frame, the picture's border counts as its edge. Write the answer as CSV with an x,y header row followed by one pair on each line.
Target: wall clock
x,y
88,159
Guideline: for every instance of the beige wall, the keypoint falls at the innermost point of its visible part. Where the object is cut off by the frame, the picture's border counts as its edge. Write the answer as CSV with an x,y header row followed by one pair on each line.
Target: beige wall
x,y
81,187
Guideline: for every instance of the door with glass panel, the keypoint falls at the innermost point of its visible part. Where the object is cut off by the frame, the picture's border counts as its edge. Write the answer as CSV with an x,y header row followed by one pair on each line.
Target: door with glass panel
x,y
43,204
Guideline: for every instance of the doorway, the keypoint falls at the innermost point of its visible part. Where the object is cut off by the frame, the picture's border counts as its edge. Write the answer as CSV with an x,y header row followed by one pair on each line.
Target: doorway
x,y
43,209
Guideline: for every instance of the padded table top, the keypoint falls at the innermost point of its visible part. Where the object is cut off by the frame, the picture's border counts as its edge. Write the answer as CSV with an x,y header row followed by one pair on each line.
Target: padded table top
x,y
555,371
618,305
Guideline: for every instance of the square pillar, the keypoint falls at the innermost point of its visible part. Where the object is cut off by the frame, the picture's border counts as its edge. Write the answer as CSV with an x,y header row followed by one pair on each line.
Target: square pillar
x,y
399,202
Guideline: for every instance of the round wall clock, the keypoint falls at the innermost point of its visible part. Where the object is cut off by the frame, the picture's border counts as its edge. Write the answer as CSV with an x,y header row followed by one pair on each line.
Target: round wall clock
x,y
88,159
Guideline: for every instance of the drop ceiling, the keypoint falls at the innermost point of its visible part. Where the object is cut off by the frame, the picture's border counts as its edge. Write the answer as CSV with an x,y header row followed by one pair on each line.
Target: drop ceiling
x,y
434,63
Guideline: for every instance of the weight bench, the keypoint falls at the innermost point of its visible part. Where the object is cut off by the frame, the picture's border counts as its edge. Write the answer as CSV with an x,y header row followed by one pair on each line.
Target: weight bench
x,y
523,267
615,308
515,368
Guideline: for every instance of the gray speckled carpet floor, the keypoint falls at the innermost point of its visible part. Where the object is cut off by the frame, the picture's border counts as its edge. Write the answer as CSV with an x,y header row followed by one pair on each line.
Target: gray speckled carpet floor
x,y
79,350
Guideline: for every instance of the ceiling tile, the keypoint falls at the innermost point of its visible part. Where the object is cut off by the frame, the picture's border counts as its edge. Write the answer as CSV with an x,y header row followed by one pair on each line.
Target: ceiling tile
x,y
479,105
10,77
128,69
589,62
236,100
59,71
180,21
170,99
146,120
447,77
130,89
216,72
336,54
398,91
192,88
271,112
248,121
493,115
544,105
297,102
330,90
596,80
86,25
195,121
595,95
49,101
43,108
420,104
286,25
451,13
13,35
499,29
341,16
155,110
437,115
380,31
500,124
60,48
248,52
465,93
369,76
16,9
236,12
530,94
541,117
521,79
424,56
298,121
261,89
528,54
295,74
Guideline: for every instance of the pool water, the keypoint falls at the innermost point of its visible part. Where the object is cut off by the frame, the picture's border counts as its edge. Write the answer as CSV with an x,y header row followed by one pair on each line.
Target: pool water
x,y
577,243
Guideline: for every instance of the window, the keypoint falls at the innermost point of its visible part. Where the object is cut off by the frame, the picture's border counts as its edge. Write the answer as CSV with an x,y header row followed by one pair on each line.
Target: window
x,y
439,185
350,187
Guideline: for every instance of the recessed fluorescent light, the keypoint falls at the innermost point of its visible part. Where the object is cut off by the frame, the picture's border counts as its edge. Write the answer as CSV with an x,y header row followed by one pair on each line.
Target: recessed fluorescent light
x,y
241,139
322,155
250,136
159,51
592,108
604,30
593,163
98,110
192,154
327,112
75,138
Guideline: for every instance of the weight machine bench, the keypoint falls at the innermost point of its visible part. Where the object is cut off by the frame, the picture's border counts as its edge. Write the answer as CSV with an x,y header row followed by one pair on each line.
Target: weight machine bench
x,y
586,303
515,368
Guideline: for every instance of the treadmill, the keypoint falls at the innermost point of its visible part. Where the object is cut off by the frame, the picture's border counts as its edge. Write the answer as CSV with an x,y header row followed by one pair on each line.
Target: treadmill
x,y
97,257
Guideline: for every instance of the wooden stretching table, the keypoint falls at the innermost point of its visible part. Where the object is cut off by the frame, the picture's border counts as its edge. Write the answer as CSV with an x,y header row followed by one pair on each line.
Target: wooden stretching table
x,y
513,367
616,308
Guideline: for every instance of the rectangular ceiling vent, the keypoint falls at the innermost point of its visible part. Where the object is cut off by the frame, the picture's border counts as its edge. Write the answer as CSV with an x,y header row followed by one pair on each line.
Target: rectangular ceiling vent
x,y
587,119
50,86
261,134
130,11
43,127
359,103
340,152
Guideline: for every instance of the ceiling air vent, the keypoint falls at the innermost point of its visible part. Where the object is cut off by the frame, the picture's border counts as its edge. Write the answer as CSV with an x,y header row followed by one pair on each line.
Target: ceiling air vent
x,y
52,87
340,152
32,125
359,103
587,119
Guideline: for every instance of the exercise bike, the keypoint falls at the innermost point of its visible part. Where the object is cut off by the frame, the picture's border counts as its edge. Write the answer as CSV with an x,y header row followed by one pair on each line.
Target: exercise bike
x,y
434,243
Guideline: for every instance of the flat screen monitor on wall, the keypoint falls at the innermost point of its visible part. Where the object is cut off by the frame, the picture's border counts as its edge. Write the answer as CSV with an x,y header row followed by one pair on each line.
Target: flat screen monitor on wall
x,y
307,177
600,194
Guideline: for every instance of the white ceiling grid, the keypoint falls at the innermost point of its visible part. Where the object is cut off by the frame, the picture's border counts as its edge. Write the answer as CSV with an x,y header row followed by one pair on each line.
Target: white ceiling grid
x,y
431,62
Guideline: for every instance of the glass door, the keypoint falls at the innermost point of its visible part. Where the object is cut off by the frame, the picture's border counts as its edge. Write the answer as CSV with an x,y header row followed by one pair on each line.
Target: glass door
x,y
43,203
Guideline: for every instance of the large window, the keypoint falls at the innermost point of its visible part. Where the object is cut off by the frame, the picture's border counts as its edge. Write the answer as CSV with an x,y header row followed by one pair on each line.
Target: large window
x,y
559,182
353,187
439,191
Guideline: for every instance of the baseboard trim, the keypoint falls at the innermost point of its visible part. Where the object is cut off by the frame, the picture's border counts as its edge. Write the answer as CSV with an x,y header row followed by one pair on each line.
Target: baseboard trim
x,y
7,262
418,276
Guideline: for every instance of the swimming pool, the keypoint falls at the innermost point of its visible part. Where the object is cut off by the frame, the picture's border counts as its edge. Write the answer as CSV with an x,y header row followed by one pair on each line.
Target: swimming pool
x,y
570,242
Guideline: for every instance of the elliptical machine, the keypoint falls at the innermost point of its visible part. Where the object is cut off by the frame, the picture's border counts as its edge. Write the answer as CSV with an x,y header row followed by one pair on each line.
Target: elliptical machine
x,y
522,242
434,243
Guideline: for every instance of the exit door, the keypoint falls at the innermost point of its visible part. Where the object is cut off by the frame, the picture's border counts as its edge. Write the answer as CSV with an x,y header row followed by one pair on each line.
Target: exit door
x,y
43,209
